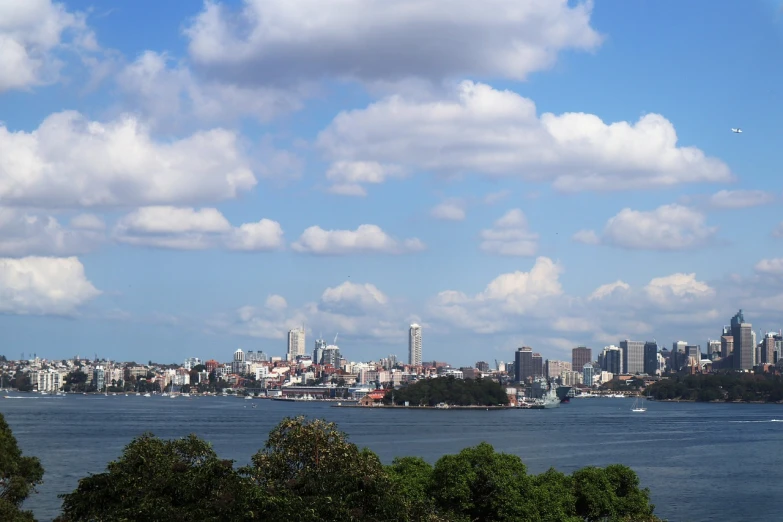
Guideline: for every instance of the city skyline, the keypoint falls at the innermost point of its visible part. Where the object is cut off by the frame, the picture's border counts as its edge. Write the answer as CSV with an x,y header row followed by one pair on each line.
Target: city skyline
x,y
181,189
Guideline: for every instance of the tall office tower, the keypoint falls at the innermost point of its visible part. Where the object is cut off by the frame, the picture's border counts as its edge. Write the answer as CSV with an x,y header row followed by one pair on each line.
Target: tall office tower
x,y
742,333
554,369
612,360
523,364
414,345
633,356
538,366
587,374
726,344
318,352
693,352
296,343
579,357
768,349
651,358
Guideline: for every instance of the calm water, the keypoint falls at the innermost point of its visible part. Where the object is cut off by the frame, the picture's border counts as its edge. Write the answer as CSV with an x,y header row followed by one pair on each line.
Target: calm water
x,y
701,461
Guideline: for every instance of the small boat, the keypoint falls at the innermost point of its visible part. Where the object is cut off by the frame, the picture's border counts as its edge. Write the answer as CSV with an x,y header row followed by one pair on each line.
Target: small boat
x,y
638,409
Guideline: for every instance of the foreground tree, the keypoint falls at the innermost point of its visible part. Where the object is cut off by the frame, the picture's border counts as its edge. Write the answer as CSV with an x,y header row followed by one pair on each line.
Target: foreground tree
x,y
308,471
318,475
18,477
157,480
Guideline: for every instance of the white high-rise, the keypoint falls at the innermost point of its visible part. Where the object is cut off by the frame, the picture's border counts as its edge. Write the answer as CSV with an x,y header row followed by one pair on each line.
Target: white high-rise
x,y
296,343
414,345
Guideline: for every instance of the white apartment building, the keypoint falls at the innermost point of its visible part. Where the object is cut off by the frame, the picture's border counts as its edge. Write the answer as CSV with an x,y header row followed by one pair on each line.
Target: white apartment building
x,y
296,343
46,380
414,345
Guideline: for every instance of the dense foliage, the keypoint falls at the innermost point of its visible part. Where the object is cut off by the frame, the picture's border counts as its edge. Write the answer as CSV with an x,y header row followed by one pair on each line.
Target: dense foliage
x,y
18,477
308,471
720,387
449,390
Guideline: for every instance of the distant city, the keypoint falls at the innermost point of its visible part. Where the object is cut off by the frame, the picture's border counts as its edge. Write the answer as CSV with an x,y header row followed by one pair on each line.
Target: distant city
x,y
325,373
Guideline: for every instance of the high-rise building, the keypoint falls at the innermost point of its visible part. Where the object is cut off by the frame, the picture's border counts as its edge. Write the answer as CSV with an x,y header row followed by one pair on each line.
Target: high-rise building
x,y
296,343
768,349
580,356
331,356
99,378
633,356
523,364
726,344
318,352
414,345
538,366
587,374
693,352
713,349
651,358
554,369
612,360
482,366
238,365
742,333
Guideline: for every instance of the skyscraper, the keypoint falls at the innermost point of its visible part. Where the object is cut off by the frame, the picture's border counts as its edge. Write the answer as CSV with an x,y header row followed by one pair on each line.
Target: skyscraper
x,y
651,358
523,364
414,345
613,360
580,356
742,333
318,352
296,343
633,356
538,365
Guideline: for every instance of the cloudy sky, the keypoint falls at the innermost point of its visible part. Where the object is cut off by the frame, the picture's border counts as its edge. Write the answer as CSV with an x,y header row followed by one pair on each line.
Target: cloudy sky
x,y
181,179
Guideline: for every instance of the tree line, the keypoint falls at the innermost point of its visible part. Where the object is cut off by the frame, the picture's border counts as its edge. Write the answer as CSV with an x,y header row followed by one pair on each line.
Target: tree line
x,y
449,390
726,386
308,471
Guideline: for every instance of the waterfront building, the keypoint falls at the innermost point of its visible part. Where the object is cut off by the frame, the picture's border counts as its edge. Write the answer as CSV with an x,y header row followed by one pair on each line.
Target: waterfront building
x,y
318,352
612,360
742,333
587,374
633,356
99,378
580,356
523,364
414,345
296,344
238,364
651,358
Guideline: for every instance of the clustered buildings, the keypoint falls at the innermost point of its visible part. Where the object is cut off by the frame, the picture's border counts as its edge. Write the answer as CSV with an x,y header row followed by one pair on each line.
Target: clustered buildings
x,y
737,349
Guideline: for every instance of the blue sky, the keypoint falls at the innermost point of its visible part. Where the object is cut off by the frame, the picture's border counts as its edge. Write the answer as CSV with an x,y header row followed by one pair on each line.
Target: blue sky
x,y
182,179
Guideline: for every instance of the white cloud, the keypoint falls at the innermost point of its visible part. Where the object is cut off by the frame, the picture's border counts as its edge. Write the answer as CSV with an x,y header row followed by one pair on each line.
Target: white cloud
x,y
511,294
352,299
734,199
510,236
277,40
770,266
87,222
26,233
171,95
32,32
347,177
669,227
609,289
495,197
451,210
357,311
683,288
498,133
588,237
70,161
192,229
276,302
43,286
365,239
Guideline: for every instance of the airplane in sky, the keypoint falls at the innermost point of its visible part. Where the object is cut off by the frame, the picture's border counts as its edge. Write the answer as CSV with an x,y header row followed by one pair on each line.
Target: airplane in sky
x,y
737,131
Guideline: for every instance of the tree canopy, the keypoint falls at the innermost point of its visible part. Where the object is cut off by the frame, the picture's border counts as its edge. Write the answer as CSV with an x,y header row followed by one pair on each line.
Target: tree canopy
x,y
727,386
308,471
449,390
18,477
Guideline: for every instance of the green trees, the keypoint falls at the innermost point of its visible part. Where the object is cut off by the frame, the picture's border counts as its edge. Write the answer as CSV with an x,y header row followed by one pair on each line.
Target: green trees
x,y
18,477
308,471
460,392
720,387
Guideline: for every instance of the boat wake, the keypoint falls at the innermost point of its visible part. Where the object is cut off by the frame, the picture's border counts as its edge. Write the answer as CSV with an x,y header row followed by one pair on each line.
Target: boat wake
x,y
754,421
39,398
